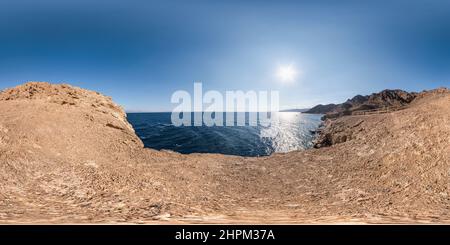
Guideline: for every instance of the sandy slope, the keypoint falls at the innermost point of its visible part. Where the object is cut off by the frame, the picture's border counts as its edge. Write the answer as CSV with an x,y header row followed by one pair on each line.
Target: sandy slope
x,y
68,155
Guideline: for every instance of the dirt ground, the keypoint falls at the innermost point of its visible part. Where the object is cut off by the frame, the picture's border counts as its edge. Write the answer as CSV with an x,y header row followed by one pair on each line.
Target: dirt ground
x,y
68,155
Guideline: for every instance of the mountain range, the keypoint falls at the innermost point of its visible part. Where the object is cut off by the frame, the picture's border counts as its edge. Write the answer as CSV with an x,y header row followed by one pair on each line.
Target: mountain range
x,y
385,99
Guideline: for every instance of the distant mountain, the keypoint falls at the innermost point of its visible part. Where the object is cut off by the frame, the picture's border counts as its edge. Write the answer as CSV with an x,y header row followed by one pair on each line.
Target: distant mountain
x,y
295,110
385,98
322,109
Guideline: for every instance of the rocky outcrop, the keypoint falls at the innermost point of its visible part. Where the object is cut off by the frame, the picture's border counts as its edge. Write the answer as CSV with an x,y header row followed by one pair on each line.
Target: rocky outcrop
x,y
384,99
66,95
335,130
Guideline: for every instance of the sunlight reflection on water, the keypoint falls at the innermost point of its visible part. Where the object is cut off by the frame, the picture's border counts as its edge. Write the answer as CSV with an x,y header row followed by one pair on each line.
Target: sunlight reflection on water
x,y
291,132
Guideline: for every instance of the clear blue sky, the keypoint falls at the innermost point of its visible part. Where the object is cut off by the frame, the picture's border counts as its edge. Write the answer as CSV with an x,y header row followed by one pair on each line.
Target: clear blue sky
x,y
140,52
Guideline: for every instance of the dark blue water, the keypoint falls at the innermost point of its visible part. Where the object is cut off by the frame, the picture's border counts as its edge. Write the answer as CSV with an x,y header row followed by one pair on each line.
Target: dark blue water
x,y
291,133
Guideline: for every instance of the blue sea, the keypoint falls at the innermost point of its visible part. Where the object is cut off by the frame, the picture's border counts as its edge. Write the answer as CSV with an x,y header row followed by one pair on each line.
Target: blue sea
x,y
293,132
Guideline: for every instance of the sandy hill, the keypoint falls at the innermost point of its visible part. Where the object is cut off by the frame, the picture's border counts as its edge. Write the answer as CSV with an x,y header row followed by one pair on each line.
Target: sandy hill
x,y
69,155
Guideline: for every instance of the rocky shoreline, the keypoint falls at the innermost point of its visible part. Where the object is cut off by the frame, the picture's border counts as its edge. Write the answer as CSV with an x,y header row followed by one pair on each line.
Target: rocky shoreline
x,y
334,131
69,155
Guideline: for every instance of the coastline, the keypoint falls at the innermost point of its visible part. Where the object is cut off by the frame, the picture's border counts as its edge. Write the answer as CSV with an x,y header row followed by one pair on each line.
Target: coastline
x,y
70,156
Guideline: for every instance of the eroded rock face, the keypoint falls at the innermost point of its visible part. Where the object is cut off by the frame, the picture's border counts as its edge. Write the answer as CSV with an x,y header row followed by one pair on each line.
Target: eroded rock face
x,y
338,129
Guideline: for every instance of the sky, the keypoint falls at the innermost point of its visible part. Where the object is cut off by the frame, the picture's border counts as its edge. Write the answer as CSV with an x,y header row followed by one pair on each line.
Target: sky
x,y
141,52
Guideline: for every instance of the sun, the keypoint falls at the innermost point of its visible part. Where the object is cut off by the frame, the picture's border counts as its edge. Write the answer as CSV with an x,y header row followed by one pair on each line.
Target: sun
x,y
287,73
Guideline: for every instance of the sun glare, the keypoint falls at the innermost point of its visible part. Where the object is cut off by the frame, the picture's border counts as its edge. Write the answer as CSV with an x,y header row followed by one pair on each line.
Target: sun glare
x,y
287,73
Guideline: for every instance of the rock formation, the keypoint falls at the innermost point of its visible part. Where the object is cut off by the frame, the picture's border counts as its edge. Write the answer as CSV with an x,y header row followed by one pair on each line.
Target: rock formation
x,y
384,99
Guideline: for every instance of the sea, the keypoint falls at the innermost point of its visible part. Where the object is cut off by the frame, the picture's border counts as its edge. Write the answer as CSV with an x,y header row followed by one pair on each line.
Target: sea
x,y
294,131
